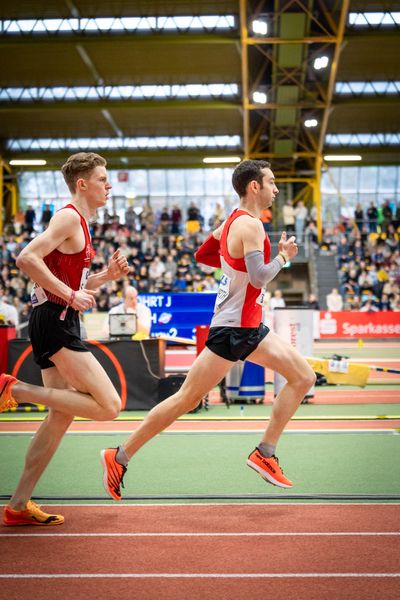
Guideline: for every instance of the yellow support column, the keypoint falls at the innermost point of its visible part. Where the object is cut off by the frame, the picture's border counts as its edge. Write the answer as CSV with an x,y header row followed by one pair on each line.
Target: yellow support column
x,y
316,186
14,203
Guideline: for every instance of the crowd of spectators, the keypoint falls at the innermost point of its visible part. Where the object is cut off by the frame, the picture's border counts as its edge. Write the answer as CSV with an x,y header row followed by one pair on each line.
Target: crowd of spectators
x,y
160,247
367,251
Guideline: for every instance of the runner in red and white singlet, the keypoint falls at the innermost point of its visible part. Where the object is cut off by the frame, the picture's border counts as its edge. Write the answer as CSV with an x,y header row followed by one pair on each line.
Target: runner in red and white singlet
x,y
240,247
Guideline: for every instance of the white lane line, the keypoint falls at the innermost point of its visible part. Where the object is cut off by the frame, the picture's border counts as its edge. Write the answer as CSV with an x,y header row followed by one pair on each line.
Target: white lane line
x,y
210,534
267,505
190,575
106,432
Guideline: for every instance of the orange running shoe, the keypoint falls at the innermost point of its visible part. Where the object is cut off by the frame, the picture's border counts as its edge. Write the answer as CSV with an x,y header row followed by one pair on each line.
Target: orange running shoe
x,y
113,473
269,469
32,515
6,399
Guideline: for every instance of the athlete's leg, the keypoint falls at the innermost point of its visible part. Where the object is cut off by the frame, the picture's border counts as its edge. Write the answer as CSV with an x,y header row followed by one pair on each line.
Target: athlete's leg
x,y
276,354
95,398
205,373
43,446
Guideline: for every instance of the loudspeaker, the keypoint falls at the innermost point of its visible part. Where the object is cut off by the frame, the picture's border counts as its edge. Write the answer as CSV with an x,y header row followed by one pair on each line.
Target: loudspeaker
x,y
169,385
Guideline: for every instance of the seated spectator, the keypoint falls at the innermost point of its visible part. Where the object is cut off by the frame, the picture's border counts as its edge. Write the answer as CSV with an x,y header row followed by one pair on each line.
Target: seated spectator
x,y
156,269
372,216
312,302
30,218
165,222
266,218
47,213
176,220
130,305
334,301
359,217
218,217
385,303
387,215
277,300
311,233
288,216
8,312
369,306
193,222
300,213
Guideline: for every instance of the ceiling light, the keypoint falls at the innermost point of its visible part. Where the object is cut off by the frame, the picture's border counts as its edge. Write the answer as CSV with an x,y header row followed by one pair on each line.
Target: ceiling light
x,y
260,97
342,157
321,63
259,27
221,159
27,162
311,122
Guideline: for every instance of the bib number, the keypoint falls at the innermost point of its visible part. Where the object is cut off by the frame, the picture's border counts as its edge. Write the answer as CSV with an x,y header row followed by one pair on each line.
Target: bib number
x,y
38,295
223,290
260,297
84,278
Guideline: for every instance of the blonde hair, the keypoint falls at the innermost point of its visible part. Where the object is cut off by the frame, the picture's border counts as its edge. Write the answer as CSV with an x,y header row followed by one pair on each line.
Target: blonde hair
x,y
80,165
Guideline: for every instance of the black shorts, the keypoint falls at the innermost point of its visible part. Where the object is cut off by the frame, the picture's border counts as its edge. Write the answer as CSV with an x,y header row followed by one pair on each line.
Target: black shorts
x,y
48,333
235,343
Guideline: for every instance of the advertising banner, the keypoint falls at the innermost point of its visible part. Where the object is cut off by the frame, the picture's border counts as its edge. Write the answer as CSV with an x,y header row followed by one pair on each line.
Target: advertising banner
x,y
295,326
355,324
177,315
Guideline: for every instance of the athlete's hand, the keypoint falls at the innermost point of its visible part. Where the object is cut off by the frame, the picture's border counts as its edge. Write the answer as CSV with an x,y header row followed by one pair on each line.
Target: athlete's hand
x,y
84,299
118,266
288,247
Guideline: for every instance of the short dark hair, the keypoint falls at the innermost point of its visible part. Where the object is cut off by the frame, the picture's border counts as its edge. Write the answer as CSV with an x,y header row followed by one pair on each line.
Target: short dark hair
x,y
246,171
80,165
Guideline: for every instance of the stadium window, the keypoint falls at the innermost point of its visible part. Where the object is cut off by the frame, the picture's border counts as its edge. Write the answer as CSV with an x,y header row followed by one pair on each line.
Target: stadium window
x,y
176,182
387,179
369,179
349,180
374,19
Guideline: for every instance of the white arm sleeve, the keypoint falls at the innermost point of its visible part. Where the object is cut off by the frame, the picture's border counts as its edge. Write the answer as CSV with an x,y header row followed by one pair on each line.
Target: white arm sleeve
x,y
259,273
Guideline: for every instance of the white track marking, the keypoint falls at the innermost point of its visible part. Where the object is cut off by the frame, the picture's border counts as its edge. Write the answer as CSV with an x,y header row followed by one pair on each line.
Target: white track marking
x,y
191,575
208,534
192,504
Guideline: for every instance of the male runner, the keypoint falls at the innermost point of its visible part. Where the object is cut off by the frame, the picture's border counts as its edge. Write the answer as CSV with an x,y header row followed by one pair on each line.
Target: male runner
x,y
241,247
58,261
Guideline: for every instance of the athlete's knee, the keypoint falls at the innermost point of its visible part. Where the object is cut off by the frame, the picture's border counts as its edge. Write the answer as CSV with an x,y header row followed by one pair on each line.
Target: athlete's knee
x,y
111,409
308,378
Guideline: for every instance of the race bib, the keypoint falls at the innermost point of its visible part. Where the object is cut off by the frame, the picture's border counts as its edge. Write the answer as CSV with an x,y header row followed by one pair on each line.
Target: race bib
x,y
38,295
223,290
260,297
84,278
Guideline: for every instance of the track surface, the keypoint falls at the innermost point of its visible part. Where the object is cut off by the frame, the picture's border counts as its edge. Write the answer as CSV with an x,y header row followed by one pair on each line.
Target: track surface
x,y
207,551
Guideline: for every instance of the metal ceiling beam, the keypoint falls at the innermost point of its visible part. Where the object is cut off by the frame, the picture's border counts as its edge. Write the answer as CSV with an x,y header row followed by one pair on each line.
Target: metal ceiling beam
x,y
197,153
89,38
16,107
389,100
371,37
320,39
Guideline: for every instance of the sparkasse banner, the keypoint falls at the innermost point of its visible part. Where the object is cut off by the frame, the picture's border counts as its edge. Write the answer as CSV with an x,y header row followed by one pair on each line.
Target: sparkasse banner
x,y
354,324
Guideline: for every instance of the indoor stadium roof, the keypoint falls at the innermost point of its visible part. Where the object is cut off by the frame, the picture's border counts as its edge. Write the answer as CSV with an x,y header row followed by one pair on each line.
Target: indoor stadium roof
x,y
164,84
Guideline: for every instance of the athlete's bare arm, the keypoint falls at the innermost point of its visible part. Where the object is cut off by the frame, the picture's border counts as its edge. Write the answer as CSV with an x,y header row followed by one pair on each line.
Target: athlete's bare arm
x,y
117,268
65,234
217,232
246,234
